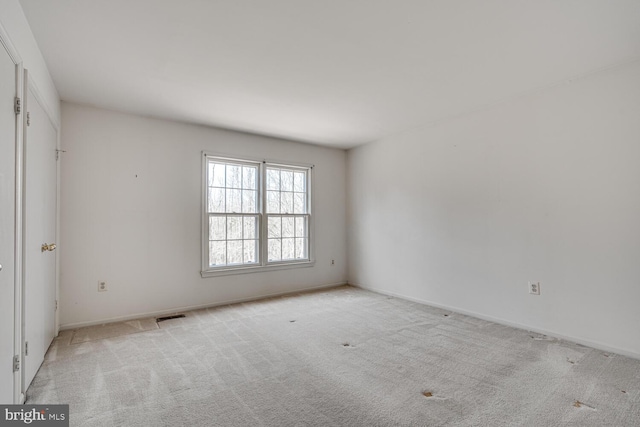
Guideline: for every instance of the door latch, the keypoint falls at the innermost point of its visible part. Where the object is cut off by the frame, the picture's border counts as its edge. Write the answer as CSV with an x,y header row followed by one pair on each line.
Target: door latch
x,y
48,247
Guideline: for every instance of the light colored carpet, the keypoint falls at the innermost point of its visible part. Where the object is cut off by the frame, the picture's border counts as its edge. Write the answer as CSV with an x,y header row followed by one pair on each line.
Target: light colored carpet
x,y
111,330
344,357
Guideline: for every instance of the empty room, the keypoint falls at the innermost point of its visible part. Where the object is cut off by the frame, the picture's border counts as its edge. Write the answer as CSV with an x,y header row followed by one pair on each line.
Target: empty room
x,y
338,213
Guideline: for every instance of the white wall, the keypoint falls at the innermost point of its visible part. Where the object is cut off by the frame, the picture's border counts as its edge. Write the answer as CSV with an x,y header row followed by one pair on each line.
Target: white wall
x,y
130,215
15,23
546,188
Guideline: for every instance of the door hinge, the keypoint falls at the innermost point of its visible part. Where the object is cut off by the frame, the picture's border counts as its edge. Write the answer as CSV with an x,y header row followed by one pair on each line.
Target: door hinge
x,y
26,348
56,305
16,105
16,363
28,119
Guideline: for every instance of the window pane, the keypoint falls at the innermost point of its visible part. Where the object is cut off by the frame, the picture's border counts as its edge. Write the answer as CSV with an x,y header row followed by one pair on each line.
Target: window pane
x,y
216,174
249,174
234,176
234,227
287,249
301,249
287,226
299,203
234,252
275,250
286,202
286,181
250,251
275,229
234,201
301,226
300,182
273,179
217,228
216,200
249,198
273,202
217,253
250,226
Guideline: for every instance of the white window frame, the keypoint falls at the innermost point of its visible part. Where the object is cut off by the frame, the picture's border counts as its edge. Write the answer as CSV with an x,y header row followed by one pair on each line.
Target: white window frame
x,y
264,264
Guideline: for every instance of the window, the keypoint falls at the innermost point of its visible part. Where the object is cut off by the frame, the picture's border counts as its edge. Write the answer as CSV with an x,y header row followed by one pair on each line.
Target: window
x,y
287,215
256,216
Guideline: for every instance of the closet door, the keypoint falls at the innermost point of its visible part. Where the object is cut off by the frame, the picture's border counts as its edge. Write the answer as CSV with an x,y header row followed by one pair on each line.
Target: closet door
x,y
7,223
40,234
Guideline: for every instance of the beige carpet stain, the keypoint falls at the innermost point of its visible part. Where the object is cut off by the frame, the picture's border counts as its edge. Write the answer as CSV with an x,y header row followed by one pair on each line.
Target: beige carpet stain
x,y
112,330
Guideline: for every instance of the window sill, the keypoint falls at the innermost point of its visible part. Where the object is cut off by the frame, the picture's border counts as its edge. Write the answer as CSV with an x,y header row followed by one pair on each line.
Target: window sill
x,y
256,269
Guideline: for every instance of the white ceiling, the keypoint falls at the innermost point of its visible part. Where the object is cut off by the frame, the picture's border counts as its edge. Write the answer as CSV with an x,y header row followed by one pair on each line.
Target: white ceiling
x,y
332,72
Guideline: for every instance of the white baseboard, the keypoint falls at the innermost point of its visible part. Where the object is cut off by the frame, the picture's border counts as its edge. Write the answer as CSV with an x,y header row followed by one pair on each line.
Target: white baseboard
x,y
588,343
195,307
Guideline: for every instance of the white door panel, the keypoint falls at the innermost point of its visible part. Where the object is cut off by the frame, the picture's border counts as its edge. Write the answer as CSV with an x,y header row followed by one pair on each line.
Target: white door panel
x,y
40,230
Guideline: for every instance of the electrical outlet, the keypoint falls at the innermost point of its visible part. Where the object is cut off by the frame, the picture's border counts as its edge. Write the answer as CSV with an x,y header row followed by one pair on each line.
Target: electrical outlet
x,y
333,262
102,286
534,288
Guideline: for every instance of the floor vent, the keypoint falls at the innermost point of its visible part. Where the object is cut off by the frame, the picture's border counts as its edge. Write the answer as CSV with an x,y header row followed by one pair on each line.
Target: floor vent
x,y
175,316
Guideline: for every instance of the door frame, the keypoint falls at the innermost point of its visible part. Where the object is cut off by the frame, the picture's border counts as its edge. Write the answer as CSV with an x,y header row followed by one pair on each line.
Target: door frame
x,y
28,85
5,40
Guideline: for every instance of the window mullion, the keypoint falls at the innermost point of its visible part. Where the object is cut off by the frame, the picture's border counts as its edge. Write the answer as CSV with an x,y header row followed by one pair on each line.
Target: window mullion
x,y
281,239
226,235
263,242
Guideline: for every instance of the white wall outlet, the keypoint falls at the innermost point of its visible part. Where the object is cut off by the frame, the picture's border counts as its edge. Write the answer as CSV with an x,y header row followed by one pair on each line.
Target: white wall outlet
x,y
102,286
534,288
333,262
